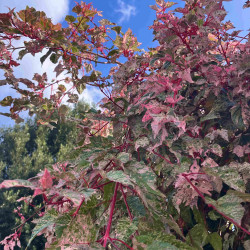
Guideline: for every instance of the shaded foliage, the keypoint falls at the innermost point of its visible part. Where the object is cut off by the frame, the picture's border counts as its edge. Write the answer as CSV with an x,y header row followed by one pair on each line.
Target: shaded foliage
x,y
24,151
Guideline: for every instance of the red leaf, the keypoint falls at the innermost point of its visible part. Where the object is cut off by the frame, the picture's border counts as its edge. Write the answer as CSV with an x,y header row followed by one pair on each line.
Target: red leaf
x,y
37,192
14,63
46,180
185,75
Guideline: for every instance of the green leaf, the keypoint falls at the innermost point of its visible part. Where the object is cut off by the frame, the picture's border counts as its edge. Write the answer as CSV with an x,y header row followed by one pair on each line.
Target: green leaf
x,y
77,196
5,114
70,18
229,205
136,206
173,225
62,88
236,116
74,49
77,9
125,228
113,52
198,236
229,242
80,229
200,22
22,53
44,57
216,149
7,101
162,246
244,196
16,183
88,193
228,175
166,65
119,176
89,13
143,176
215,240
61,223
141,142
106,22
63,109
42,223
108,191
123,157
117,29
247,244
100,142
88,67
3,82
213,215
198,216
162,241
54,58
80,87
210,116
219,57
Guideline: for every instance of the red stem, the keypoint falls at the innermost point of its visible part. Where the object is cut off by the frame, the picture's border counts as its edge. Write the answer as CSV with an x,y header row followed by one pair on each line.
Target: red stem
x,y
162,157
212,206
138,155
100,129
126,203
122,243
73,33
114,245
193,174
102,185
110,98
77,210
106,236
85,182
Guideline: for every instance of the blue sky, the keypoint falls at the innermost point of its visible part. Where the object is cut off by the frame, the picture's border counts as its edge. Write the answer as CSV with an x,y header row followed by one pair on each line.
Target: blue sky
x,y
134,14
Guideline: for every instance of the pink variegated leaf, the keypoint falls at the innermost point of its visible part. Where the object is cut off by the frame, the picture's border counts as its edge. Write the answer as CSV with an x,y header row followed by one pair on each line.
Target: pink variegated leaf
x,y
185,75
46,180
195,168
156,127
37,191
173,100
240,151
209,162
16,183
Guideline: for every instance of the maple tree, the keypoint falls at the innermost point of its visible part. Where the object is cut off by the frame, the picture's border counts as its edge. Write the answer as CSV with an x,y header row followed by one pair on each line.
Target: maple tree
x,y
165,162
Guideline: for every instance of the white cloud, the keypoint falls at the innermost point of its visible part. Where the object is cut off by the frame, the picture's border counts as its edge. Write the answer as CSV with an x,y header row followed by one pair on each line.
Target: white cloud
x,y
126,11
91,95
55,9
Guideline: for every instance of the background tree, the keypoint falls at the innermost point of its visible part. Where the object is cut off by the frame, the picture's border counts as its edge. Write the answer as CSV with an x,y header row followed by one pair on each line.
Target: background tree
x,y
25,150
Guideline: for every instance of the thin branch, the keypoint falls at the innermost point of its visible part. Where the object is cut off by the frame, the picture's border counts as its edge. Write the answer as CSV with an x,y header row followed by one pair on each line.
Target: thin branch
x,y
106,236
78,208
102,185
129,247
212,206
162,157
126,203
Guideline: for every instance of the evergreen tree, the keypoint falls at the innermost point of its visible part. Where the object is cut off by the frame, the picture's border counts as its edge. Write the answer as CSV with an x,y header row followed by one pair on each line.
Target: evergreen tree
x,y
24,151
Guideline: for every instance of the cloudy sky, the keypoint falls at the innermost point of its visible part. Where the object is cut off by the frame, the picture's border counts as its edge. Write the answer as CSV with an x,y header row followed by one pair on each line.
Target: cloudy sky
x,y
134,14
